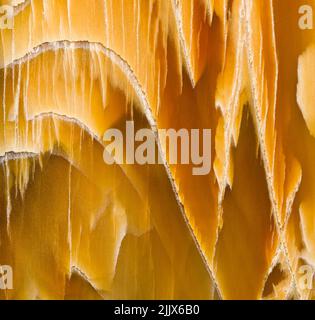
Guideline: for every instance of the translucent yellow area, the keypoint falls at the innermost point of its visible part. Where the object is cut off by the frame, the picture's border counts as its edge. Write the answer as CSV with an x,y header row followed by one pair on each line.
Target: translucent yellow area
x,y
73,227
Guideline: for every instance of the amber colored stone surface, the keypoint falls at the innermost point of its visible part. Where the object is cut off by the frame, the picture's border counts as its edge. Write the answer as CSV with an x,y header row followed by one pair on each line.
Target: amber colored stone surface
x,y
73,227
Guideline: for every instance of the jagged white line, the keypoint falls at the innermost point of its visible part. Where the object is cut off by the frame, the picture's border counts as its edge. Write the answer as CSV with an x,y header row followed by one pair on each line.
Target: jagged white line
x,y
12,155
76,269
179,24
